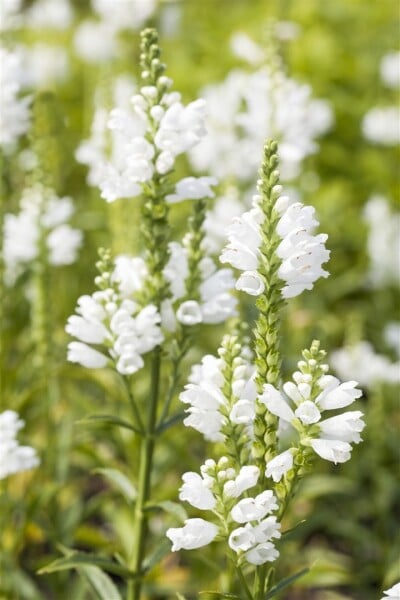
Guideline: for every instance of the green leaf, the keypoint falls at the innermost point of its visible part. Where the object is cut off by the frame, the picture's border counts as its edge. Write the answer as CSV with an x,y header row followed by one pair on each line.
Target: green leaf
x,y
100,582
172,508
220,595
75,560
120,481
179,596
162,549
285,583
107,420
169,422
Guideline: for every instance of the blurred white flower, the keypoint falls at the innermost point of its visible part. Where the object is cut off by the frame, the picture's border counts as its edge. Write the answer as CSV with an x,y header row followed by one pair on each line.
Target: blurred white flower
x,y
43,215
248,108
14,111
13,457
383,243
381,125
361,361
44,64
245,48
390,69
193,188
95,41
49,14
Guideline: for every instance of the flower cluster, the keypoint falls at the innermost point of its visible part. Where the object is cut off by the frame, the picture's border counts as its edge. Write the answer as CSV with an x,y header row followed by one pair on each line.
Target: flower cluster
x,y
42,221
362,362
14,111
112,321
312,392
217,489
210,409
300,252
215,303
13,457
147,138
248,108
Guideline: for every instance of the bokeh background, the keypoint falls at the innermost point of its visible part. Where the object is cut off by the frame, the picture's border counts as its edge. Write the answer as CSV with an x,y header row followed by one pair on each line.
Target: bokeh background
x,y
74,60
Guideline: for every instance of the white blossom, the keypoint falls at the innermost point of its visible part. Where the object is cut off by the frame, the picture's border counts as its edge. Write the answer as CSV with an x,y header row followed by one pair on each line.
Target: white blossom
x,y
196,533
383,242
390,69
363,362
13,457
393,592
279,466
195,491
254,509
255,541
380,125
192,188
246,479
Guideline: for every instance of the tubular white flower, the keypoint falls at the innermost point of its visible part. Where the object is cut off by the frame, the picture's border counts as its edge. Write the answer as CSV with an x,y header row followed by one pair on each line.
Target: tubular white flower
x,y
86,356
345,427
13,457
393,592
196,533
254,509
333,450
338,395
262,553
192,188
242,538
251,283
189,313
246,479
195,491
279,466
14,111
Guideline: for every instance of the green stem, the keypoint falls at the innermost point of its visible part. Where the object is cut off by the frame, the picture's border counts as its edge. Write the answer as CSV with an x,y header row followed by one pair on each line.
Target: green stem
x,y
133,404
145,468
242,580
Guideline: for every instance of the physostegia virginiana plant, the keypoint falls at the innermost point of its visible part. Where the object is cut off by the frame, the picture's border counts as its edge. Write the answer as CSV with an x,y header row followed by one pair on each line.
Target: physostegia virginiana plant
x,y
143,315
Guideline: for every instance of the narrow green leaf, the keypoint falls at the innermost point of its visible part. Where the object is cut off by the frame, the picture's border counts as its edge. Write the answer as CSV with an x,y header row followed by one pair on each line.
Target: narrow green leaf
x,y
179,596
218,595
163,548
102,584
107,420
285,583
172,508
74,560
169,422
120,481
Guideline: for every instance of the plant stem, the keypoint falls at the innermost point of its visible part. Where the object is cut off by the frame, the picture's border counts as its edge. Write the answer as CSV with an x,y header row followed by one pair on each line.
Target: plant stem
x,y
145,467
242,580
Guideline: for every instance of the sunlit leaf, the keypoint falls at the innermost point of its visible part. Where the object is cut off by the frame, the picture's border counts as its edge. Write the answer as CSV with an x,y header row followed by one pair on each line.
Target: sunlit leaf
x,y
119,481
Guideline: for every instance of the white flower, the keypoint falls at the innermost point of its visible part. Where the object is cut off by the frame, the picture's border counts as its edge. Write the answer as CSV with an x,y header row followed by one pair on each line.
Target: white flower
x,y
262,553
196,533
246,479
254,509
336,394
390,69
279,466
189,313
13,457
333,450
251,283
14,111
86,356
345,427
393,592
380,125
195,491
242,538
192,188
